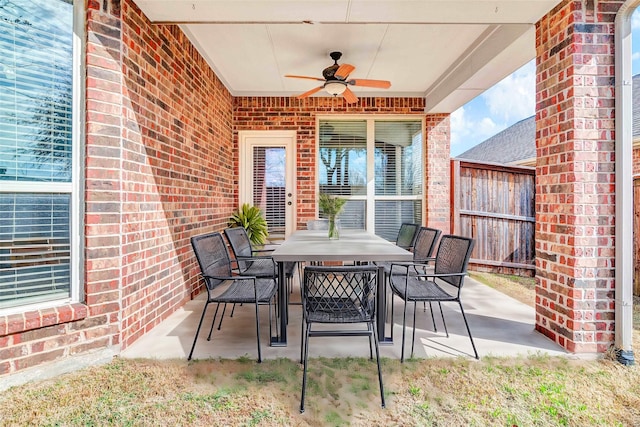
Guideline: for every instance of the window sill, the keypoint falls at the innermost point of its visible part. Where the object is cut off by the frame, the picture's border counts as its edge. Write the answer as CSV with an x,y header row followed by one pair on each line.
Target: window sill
x,y
34,319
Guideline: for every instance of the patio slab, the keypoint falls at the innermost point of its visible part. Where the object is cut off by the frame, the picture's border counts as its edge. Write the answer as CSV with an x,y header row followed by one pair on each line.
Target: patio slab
x,y
501,326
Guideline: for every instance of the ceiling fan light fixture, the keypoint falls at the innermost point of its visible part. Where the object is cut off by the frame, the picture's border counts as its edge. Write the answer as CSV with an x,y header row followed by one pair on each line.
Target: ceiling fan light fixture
x,y
335,88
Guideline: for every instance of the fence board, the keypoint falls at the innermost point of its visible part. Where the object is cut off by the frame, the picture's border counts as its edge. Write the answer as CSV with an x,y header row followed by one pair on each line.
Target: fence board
x,y
495,205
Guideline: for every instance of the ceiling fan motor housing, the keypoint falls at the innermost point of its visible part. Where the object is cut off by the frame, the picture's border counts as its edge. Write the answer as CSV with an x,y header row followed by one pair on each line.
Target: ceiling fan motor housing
x,y
329,72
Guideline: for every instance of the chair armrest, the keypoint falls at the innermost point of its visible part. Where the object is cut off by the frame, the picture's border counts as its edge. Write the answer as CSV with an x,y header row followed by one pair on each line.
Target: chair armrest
x,y
257,252
231,277
442,275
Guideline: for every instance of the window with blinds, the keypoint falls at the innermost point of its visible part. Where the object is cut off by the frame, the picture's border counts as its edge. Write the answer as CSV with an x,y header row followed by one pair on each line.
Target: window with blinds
x,y
36,140
352,153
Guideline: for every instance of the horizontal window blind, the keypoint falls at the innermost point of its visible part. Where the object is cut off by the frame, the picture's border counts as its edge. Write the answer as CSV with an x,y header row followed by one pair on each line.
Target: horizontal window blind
x,y
391,214
36,141
34,248
36,90
269,190
345,148
398,158
342,165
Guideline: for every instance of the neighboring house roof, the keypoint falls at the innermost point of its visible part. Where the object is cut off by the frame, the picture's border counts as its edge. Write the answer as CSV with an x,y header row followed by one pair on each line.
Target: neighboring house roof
x,y
517,143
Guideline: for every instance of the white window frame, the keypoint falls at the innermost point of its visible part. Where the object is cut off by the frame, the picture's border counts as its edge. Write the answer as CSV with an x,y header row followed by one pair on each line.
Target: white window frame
x,y
371,197
73,188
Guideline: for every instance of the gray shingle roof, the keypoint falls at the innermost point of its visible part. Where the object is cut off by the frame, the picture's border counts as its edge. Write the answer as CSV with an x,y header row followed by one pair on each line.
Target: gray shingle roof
x,y
518,142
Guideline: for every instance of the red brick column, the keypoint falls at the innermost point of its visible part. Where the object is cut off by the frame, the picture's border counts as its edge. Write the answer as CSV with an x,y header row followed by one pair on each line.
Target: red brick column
x,y
575,206
438,172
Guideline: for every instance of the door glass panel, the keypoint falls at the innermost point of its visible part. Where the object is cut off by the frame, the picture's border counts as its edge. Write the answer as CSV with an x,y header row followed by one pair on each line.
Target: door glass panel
x,y
269,192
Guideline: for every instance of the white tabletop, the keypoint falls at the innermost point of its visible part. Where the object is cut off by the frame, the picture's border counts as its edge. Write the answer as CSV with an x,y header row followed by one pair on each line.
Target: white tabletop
x,y
353,245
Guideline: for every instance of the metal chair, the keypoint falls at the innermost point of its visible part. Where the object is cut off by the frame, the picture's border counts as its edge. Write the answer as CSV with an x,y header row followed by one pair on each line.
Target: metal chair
x,y
407,235
442,284
223,287
254,261
339,295
423,245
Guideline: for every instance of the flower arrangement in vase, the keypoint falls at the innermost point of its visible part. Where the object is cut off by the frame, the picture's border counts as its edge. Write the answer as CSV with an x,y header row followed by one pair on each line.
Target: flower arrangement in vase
x,y
330,208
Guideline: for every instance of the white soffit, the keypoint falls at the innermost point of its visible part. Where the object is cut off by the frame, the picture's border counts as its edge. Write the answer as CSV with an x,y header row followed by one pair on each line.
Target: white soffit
x,y
447,50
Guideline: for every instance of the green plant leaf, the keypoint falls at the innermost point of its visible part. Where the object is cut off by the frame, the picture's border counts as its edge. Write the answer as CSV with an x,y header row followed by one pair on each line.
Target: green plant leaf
x,y
251,218
330,206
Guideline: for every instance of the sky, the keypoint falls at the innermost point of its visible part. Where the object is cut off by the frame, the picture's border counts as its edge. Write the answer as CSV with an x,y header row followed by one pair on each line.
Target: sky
x,y
508,102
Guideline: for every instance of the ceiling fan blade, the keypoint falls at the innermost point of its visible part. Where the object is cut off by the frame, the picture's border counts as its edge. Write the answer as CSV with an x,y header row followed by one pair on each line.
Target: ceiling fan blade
x,y
382,84
309,92
305,77
343,71
349,96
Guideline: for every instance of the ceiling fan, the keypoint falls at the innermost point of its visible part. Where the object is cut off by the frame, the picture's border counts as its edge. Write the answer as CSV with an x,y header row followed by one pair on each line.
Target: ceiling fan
x,y
336,83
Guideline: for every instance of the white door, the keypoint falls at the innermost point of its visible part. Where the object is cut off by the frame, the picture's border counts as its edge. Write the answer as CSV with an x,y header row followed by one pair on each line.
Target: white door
x,y
267,177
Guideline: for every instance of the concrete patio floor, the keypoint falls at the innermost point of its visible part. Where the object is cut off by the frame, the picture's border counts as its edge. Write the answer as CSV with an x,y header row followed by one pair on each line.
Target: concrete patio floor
x,y
501,326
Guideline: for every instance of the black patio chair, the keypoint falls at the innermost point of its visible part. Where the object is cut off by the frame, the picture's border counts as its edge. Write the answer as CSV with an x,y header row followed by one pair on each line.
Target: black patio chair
x,y
423,246
339,295
223,287
254,261
407,235
420,240
442,284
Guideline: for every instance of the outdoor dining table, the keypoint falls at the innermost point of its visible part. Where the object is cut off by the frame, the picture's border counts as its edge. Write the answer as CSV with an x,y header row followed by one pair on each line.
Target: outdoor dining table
x,y
352,246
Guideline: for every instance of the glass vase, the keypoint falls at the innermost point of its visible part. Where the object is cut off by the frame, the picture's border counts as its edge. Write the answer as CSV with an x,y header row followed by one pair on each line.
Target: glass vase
x,y
334,228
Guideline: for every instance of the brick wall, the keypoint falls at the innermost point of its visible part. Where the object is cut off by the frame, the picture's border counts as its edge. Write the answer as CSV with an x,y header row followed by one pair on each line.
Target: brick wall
x,y
636,161
158,137
575,175
438,172
177,181
261,113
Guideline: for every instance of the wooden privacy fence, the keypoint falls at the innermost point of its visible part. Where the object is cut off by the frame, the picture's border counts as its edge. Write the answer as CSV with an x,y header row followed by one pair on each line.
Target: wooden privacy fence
x,y
495,204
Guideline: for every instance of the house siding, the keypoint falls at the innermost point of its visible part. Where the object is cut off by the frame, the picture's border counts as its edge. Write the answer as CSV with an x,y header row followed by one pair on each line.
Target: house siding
x,y
575,205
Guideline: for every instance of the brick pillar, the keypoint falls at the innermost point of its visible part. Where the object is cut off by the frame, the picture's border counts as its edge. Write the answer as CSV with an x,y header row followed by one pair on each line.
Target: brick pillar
x,y
437,172
103,202
575,206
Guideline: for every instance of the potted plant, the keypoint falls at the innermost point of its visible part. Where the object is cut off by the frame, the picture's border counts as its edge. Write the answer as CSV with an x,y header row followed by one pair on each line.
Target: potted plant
x,y
330,208
251,218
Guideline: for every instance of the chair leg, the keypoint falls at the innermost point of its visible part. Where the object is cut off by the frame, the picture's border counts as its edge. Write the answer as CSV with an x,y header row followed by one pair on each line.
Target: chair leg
x,y
392,310
370,339
413,335
258,331
443,322
302,340
224,309
375,340
213,322
195,339
304,370
433,319
468,330
404,327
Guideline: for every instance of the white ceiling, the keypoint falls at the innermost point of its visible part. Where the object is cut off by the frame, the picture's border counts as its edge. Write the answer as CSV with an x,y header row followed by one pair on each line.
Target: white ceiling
x,y
448,51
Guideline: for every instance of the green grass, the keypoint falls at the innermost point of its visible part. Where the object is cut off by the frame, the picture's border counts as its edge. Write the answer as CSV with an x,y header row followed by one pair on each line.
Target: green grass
x,y
533,390
524,391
